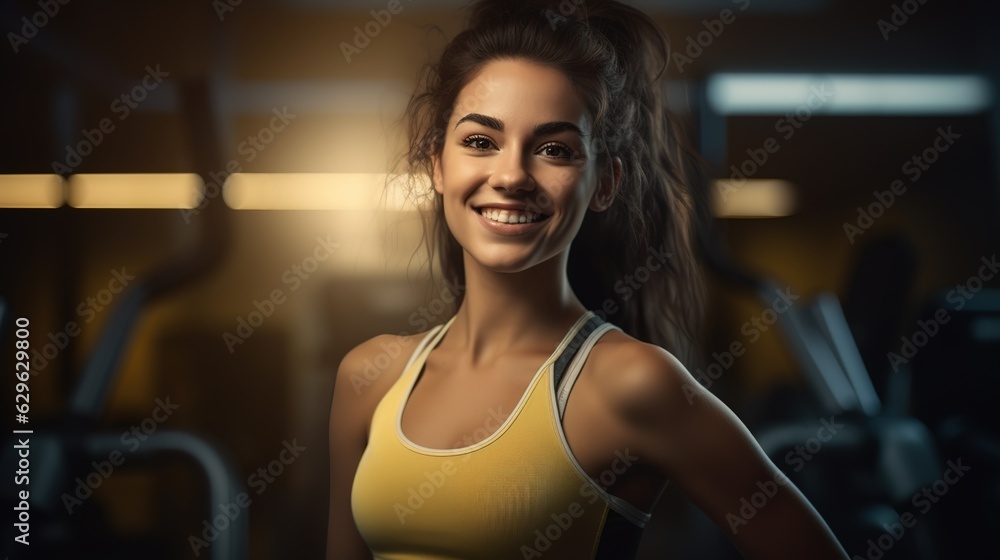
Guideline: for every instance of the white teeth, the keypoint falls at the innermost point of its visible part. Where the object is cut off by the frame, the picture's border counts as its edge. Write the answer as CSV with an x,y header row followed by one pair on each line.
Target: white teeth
x,y
510,216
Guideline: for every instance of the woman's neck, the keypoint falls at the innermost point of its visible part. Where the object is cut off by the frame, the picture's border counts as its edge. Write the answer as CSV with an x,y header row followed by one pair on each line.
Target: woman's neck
x,y
500,311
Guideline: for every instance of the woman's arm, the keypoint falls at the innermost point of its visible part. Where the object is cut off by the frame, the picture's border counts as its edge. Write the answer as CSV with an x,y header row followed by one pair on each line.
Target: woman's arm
x,y
347,443
695,440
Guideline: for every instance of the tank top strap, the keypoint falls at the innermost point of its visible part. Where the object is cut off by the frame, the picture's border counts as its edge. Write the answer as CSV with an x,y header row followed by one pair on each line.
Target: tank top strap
x,y
559,367
429,341
567,368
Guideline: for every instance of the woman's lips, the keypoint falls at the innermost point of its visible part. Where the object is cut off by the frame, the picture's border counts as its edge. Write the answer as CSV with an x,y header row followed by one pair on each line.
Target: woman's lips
x,y
510,215
502,228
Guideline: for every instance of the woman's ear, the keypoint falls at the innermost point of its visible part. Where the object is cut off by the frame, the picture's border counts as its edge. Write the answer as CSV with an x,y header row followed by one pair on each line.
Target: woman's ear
x,y
436,164
607,187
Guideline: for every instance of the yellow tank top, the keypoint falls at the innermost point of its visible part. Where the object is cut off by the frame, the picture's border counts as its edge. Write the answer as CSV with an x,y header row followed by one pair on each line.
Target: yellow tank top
x,y
519,493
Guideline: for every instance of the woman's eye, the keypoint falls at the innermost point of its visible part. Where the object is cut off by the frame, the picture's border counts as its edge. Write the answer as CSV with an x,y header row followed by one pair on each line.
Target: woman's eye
x,y
556,151
480,143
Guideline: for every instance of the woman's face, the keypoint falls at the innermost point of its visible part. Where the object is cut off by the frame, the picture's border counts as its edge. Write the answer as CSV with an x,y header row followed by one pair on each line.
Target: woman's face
x,y
517,172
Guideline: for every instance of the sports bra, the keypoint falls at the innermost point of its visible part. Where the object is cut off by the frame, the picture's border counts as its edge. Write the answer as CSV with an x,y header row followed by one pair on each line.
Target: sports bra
x,y
519,493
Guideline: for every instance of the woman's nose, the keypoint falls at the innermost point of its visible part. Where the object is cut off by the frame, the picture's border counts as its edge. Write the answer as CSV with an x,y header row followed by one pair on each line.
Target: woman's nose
x,y
511,172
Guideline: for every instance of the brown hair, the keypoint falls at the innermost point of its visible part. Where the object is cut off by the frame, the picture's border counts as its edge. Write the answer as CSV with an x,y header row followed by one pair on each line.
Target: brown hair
x,y
615,56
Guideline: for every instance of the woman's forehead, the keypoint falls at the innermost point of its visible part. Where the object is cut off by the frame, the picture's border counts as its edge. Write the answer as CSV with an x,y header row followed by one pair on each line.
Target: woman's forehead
x,y
522,95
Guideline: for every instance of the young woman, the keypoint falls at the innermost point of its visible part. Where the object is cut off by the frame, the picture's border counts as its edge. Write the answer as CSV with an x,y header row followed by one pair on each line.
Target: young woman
x,y
545,416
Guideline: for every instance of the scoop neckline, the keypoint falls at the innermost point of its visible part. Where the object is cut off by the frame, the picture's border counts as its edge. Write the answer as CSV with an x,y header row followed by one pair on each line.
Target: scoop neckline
x,y
422,360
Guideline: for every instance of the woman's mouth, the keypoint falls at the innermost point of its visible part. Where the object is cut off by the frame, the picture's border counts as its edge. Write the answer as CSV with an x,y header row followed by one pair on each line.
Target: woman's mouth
x,y
505,216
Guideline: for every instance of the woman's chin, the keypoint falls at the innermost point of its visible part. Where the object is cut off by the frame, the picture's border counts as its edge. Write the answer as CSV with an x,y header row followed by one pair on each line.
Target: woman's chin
x,y
507,262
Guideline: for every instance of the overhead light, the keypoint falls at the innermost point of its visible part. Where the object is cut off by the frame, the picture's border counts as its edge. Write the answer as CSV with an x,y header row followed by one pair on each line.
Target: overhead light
x,y
851,94
135,190
32,191
753,198
320,191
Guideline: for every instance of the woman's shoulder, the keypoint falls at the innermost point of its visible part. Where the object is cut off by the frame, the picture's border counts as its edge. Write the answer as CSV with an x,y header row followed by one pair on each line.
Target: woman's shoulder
x,y
372,366
636,376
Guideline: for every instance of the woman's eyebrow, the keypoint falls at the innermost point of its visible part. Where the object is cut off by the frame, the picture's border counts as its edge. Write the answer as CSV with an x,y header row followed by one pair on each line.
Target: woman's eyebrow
x,y
489,122
540,130
557,127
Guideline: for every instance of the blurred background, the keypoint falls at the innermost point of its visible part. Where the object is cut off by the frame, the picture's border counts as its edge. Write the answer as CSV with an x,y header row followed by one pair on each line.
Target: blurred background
x,y
193,234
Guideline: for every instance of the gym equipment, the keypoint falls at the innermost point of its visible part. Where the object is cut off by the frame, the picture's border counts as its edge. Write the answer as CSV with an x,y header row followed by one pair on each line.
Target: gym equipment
x,y
66,447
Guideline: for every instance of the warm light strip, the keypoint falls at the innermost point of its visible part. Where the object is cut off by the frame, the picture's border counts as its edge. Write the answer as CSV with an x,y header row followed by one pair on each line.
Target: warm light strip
x,y
138,190
753,198
319,191
32,191
853,94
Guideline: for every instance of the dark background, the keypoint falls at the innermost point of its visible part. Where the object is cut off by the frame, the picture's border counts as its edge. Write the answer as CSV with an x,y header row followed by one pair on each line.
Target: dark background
x,y
276,387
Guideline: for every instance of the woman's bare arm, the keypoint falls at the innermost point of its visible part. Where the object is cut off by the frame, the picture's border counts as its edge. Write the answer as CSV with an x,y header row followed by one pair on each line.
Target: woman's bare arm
x,y
696,441
348,435
356,393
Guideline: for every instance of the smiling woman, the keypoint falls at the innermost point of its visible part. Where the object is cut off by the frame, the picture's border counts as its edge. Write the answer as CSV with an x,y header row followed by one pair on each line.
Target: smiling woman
x,y
562,204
